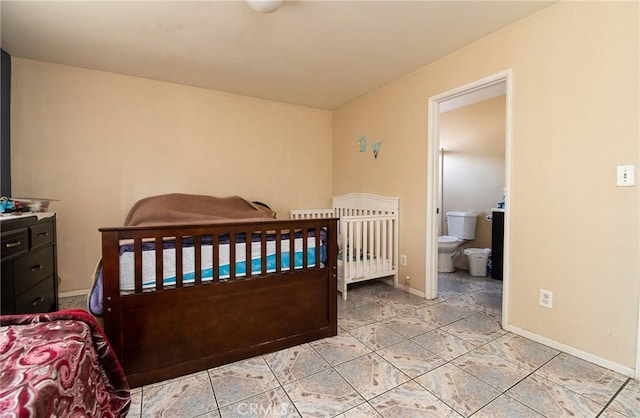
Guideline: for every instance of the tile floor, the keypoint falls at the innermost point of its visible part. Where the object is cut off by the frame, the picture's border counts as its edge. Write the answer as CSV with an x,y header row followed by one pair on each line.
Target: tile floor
x,y
397,355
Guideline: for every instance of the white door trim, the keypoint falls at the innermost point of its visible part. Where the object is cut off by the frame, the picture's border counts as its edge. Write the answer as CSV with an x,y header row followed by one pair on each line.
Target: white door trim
x,y
637,374
433,147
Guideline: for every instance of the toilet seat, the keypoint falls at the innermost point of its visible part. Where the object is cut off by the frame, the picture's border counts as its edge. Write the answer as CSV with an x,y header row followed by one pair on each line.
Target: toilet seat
x,y
447,242
446,239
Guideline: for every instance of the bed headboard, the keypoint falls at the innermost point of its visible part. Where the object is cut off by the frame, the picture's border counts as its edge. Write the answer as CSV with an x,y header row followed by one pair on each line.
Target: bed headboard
x,y
365,204
353,204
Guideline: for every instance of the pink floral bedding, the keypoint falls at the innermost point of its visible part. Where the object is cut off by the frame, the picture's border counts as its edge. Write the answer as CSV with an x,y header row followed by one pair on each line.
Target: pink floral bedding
x,y
59,364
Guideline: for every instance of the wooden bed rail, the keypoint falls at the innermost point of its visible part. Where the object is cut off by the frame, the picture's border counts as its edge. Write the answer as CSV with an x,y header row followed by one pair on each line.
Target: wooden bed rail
x,y
232,233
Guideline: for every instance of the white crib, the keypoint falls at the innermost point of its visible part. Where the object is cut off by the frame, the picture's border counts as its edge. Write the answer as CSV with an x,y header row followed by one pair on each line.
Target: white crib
x,y
367,236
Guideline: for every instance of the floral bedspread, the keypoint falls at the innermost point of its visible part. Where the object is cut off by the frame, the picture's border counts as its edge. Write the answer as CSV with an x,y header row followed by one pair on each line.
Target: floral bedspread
x,y
59,364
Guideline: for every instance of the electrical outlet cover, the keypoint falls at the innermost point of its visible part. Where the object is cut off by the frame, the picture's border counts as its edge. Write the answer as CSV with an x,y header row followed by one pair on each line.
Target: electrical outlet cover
x,y
546,298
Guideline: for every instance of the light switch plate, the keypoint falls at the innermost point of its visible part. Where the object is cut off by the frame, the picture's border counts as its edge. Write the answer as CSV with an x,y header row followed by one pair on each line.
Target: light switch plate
x,y
625,176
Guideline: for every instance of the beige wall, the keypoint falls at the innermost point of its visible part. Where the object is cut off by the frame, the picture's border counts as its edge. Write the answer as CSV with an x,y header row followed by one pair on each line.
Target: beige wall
x,y
99,142
473,139
575,117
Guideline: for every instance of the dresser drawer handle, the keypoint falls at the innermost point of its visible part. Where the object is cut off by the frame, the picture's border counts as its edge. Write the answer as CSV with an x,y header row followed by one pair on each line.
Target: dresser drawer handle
x,y
43,234
13,244
36,267
37,300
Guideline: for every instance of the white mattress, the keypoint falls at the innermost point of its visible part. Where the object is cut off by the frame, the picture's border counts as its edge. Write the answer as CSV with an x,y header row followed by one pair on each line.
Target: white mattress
x,y
127,262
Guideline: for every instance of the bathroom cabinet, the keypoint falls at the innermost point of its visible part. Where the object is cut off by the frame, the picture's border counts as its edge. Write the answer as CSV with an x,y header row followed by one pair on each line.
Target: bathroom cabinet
x,y
497,243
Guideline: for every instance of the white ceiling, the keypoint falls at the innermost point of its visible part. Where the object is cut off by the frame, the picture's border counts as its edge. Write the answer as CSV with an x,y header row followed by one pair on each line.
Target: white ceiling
x,y
320,54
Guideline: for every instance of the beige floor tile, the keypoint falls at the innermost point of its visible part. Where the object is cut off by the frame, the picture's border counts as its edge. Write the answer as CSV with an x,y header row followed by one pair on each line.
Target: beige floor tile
x,y
628,400
507,407
587,379
447,357
458,389
491,369
323,394
371,375
411,400
553,400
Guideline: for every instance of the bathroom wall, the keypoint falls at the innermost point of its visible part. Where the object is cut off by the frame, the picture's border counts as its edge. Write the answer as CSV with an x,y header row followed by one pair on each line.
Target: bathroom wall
x,y
473,139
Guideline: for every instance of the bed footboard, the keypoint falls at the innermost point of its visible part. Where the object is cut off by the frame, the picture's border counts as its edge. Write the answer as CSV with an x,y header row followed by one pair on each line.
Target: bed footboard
x,y
369,249
195,323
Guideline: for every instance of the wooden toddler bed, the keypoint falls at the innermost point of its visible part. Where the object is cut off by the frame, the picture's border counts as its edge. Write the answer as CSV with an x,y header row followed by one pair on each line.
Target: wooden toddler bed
x,y
263,285
368,236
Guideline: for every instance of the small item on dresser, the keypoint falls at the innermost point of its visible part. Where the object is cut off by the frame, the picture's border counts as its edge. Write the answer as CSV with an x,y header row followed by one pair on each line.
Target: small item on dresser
x,y
32,204
6,205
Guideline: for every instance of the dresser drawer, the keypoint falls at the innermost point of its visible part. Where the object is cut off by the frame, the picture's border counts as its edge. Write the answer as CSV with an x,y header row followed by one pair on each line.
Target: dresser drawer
x,y
32,268
39,298
41,234
8,308
29,278
14,242
7,283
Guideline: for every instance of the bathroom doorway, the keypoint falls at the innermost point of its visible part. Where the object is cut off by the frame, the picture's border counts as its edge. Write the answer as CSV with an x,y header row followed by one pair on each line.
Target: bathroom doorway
x,y
466,155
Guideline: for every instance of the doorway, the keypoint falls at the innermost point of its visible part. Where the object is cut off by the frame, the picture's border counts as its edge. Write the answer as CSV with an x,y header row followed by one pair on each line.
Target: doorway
x,y
434,159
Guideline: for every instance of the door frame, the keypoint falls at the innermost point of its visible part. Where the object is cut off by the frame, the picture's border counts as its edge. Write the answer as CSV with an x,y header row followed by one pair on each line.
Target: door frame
x,y
433,168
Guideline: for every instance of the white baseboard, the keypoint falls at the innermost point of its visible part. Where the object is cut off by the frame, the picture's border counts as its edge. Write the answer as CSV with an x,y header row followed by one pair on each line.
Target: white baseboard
x,y
81,292
405,288
608,364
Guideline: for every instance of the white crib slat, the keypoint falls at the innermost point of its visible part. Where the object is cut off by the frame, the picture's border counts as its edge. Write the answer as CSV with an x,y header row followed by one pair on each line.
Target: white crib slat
x,y
371,259
394,243
368,235
368,251
365,246
384,240
358,241
351,248
379,260
390,234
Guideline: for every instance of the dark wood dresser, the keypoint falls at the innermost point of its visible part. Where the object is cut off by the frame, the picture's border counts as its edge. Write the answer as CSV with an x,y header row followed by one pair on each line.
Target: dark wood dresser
x,y
29,275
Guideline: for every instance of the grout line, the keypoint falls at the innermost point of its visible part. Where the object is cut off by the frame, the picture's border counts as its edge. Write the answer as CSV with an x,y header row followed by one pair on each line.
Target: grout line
x,y
215,399
615,395
535,370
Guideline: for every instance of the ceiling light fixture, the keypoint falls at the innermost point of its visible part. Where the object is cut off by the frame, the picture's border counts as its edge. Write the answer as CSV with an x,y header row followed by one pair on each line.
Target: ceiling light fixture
x,y
265,6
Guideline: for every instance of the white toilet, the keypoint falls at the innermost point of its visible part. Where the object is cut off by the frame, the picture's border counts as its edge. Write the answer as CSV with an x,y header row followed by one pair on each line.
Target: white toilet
x,y
462,227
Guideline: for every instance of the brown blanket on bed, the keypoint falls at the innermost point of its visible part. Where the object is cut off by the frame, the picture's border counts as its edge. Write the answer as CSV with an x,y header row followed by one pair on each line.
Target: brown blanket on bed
x,y
189,209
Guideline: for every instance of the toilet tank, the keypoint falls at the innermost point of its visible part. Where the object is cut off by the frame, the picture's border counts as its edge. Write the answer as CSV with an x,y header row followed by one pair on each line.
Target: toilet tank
x,y
462,224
